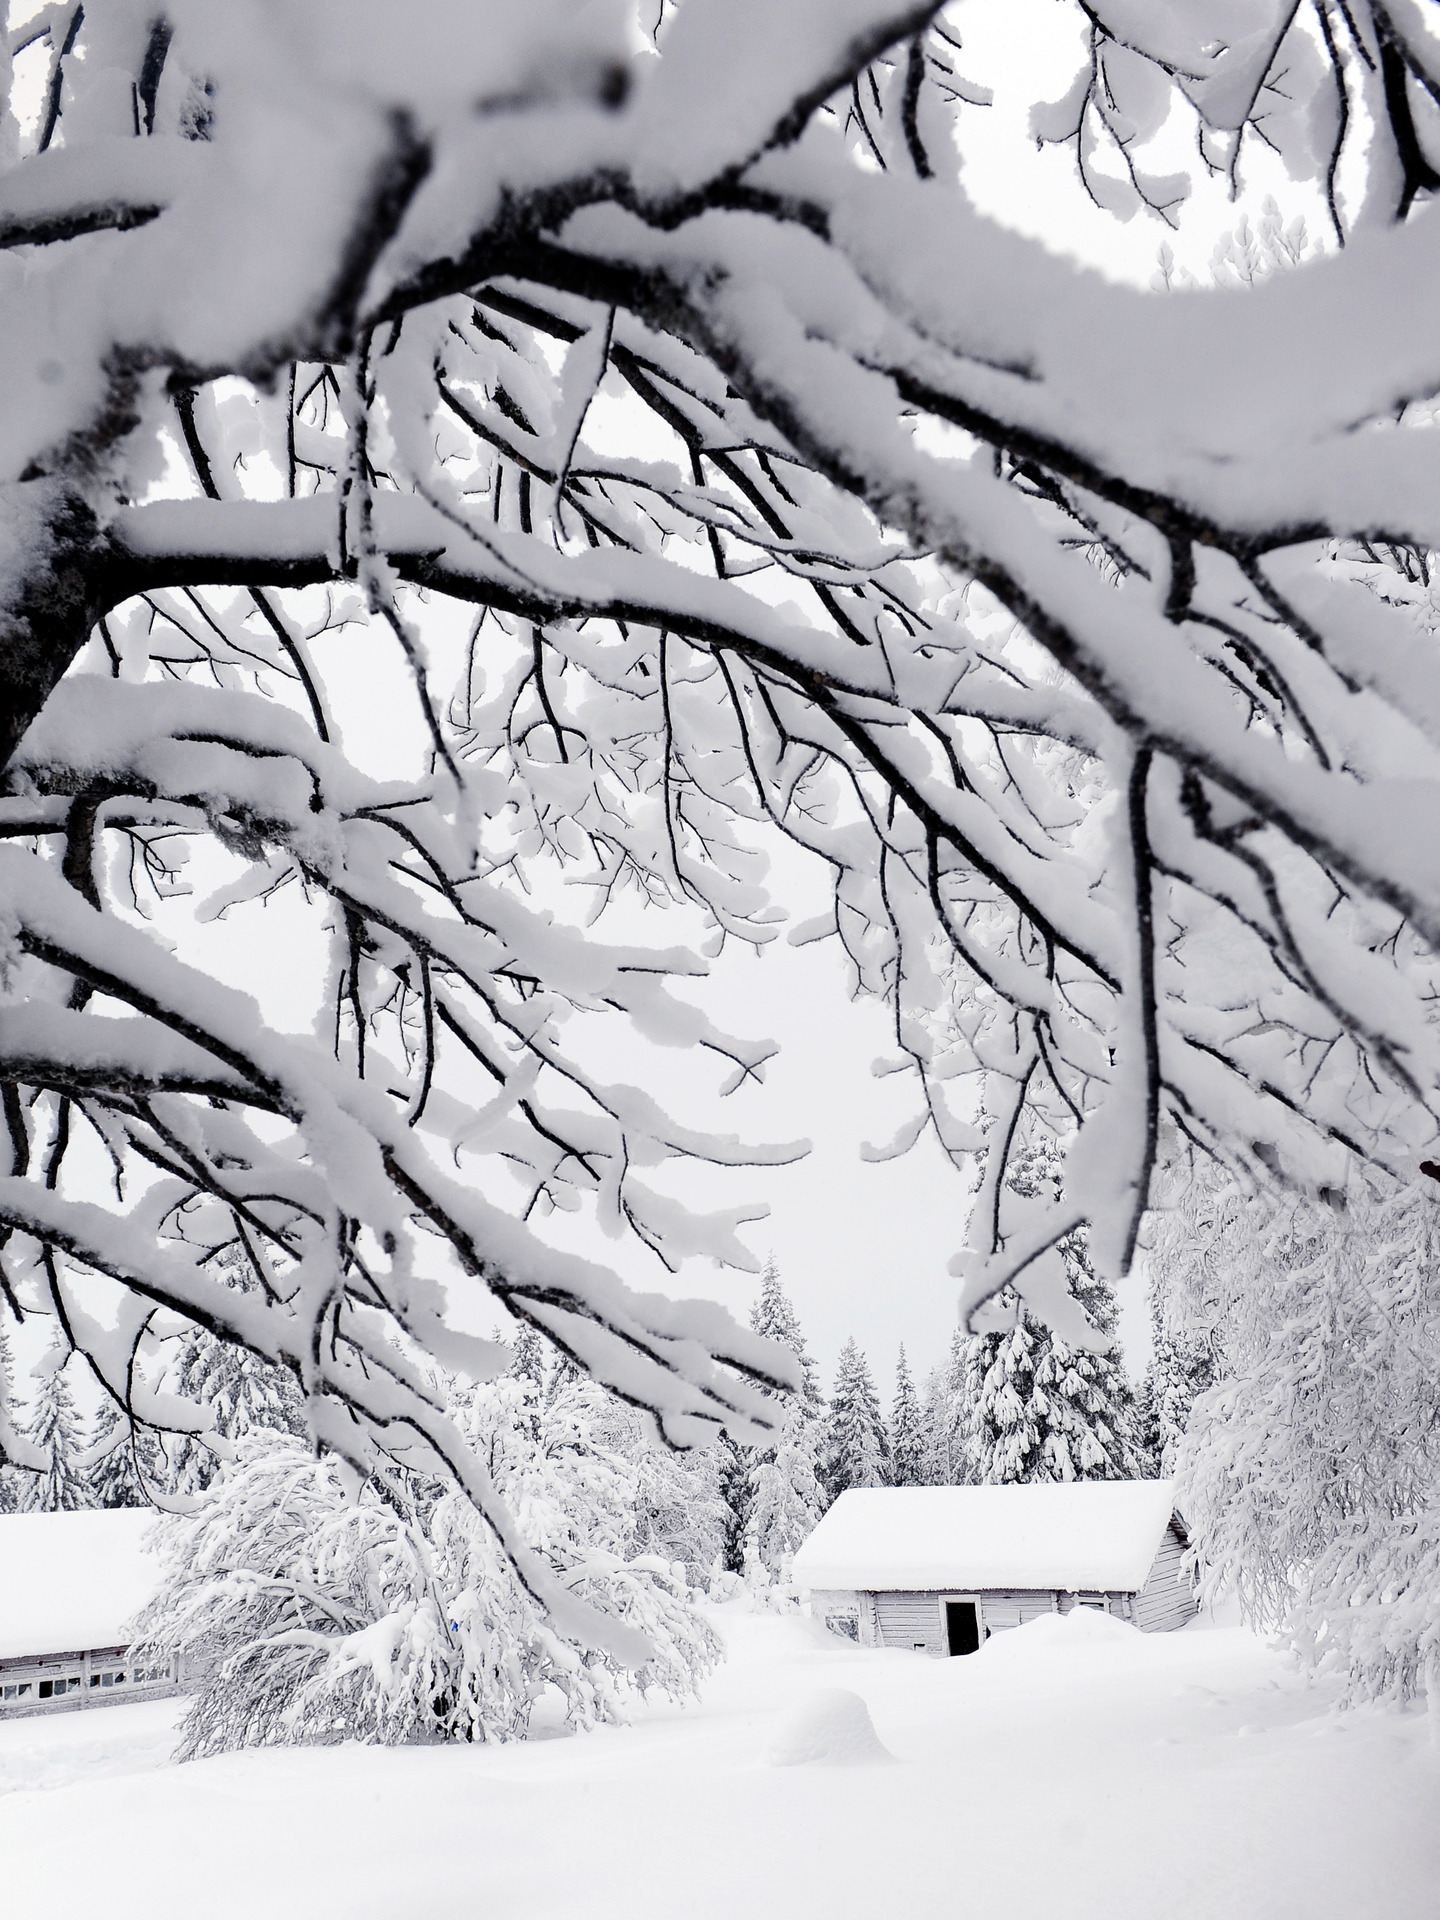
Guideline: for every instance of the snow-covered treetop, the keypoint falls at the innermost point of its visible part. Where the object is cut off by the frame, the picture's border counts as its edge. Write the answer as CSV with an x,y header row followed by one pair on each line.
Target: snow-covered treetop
x,y
645,406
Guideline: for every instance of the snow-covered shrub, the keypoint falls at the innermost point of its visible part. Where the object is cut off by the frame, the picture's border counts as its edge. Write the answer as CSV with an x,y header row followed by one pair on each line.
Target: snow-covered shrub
x,y
316,1609
1311,1473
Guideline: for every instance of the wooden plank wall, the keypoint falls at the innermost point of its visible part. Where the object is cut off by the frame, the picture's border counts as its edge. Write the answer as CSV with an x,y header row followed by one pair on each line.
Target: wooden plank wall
x,y
910,1620
917,1619
1165,1601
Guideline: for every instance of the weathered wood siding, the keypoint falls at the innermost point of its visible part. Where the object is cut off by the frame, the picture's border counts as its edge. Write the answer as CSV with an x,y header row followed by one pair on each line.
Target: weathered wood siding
x,y
910,1620
1165,1601
917,1619
1013,1607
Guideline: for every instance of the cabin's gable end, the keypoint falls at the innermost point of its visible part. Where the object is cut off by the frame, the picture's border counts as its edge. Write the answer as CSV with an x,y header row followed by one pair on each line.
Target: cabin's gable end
x,y
1166,1600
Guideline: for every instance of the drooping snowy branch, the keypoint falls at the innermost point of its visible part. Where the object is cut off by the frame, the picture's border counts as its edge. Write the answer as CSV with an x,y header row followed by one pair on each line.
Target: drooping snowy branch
x,y
702,467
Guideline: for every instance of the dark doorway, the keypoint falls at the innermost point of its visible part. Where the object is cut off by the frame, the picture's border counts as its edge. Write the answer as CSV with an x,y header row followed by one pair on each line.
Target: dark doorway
x,y
962,1626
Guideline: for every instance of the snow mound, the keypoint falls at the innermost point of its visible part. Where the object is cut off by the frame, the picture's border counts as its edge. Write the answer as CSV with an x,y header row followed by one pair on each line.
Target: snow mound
x,y
832,1728
1064,1633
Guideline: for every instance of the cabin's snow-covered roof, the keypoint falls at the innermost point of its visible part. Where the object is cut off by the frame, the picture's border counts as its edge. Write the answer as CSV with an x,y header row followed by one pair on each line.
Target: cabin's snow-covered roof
x,y
1087,1535
72,1580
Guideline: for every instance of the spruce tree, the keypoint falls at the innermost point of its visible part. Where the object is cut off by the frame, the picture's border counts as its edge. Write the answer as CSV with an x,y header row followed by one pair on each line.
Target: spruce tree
x,y
733,1475
854,1448
947,1419
9,1478
529,1361
935,1427
246,1393
1042,1409
786,1497
775,1318
907,1435
781,1498
1182,1366
127,1462
54,1428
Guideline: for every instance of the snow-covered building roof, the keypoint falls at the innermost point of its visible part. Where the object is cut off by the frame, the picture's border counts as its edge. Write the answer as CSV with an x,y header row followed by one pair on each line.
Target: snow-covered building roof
x,y
1084,1536
71,1581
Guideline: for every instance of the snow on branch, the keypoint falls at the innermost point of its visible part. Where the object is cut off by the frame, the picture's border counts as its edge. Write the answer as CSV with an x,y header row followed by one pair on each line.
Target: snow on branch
x,y
652,428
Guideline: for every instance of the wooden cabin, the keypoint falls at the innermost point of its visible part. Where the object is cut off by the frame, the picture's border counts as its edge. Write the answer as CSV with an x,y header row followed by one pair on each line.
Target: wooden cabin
x,y
940,1569
69,1585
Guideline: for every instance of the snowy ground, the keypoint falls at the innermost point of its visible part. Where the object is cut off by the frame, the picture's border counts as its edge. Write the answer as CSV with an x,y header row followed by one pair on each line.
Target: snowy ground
x,y
1073,1766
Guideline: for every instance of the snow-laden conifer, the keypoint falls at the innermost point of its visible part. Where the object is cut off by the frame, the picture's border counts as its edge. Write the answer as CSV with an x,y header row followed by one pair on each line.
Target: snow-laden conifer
x,y
680,1514
55,1430
530,1356
786,1496
1182,1367
241,1391
999,1385
733,1472
854,1447
907,1432
244,1393
783,1497
774,1317
125,1463
1041,1407
947,1418
9,1478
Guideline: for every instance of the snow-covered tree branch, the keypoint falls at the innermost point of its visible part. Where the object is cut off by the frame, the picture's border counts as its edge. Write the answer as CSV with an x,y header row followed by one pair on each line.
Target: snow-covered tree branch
x,y
652,415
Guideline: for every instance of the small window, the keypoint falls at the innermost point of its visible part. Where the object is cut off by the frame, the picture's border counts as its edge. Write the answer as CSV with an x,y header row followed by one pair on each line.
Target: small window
x,y
119,1679
47,1687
